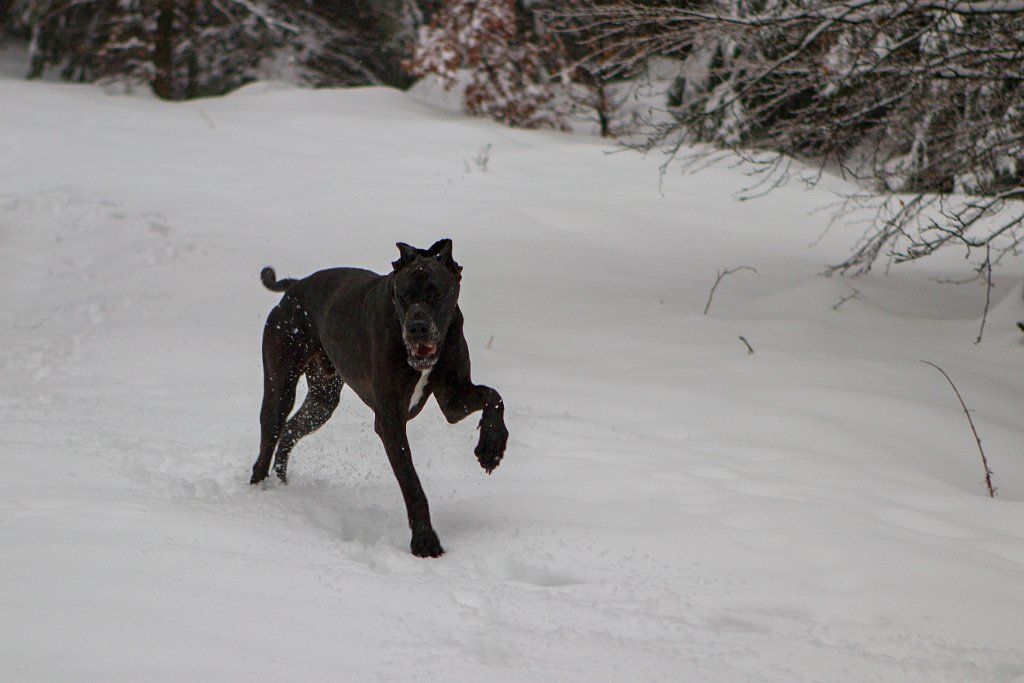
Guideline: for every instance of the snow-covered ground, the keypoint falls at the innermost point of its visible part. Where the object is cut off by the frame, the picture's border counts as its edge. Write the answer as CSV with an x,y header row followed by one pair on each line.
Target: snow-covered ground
x,y
670,507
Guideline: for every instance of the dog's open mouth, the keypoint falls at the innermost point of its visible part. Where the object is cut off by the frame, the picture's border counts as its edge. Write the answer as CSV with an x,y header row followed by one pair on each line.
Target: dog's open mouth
x,y
424,350
422,356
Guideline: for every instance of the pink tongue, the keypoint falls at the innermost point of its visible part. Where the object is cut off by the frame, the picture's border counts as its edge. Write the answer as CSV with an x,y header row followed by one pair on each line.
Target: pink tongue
x,y
424,350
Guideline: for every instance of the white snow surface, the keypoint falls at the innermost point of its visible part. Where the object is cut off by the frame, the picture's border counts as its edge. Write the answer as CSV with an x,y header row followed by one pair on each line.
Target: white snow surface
x,y
670,507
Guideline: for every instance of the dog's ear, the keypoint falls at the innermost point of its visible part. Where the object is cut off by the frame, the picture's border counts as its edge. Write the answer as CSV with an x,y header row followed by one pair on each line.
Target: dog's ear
x,y
407,253
442,251
438,246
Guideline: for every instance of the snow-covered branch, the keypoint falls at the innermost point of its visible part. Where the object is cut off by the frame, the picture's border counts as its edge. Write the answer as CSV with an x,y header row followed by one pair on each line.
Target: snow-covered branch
x,y
911,97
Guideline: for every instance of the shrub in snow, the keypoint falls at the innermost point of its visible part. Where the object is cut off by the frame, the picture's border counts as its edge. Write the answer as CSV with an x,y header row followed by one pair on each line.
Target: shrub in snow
x,y
918,98
505,63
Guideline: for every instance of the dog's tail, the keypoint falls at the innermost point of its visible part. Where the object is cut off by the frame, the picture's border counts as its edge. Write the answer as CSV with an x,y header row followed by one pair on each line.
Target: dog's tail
x,y
271,282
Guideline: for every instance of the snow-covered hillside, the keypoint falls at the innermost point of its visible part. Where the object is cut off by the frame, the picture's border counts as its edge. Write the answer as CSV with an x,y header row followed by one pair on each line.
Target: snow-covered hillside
x,y
671,507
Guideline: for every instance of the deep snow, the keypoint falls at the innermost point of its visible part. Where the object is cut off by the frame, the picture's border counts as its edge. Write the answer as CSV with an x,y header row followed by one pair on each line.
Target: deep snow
x,y
670,506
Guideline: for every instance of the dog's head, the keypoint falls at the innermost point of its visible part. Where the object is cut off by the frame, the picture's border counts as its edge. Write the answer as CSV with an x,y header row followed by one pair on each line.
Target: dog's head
x,y
425,289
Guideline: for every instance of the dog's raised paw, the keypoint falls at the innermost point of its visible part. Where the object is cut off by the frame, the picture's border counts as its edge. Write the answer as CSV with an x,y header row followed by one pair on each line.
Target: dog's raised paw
x,y
426,544
489,461
491,447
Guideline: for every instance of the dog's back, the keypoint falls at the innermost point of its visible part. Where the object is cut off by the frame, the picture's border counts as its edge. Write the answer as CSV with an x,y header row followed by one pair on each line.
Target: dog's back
x,y
316,294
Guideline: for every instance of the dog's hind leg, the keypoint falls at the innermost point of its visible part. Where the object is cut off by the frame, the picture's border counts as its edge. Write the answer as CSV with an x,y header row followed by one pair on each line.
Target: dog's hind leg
x,y
284,353
321,400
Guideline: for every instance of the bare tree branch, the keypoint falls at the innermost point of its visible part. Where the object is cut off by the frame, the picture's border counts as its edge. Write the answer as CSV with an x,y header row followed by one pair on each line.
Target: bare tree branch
x,y
987,269
718,280
919,101
970,421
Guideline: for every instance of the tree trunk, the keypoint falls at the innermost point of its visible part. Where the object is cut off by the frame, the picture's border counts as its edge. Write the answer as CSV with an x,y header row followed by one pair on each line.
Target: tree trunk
x,y
163,51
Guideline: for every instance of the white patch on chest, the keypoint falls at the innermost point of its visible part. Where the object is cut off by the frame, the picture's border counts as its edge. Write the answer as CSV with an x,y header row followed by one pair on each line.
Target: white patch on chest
x,y
417,393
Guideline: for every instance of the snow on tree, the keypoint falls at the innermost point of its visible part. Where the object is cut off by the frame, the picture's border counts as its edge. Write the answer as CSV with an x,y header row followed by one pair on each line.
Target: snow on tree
x,y
920,99
189,48
505,63
594,93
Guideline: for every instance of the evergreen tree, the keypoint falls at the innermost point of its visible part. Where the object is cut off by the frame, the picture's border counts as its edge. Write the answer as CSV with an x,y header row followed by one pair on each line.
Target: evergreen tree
x,y
188,48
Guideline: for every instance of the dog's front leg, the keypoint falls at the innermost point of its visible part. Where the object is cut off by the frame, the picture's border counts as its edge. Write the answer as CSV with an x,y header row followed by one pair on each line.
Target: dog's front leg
x,y
391,431
493,433
459,401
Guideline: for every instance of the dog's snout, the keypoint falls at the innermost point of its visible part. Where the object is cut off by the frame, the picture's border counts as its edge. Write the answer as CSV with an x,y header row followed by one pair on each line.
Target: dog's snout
x,y
418,328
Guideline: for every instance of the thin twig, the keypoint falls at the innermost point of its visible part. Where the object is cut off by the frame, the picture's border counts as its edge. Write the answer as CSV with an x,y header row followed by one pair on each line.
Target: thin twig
x,y
987,266
856,293
750,349
722,274
977,439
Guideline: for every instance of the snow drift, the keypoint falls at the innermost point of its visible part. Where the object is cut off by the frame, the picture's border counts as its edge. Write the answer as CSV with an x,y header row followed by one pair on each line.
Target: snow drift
x,y
671,507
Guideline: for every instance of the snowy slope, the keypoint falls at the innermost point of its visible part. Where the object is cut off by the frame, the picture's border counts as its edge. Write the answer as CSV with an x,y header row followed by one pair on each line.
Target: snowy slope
x,y
670,506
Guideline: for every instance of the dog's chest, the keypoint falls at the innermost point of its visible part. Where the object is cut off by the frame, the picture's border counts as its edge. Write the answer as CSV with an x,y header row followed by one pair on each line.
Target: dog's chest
x,y
419,393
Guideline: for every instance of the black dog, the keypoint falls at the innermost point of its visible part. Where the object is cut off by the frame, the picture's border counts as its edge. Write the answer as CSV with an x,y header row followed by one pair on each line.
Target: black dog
x,y
395,339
